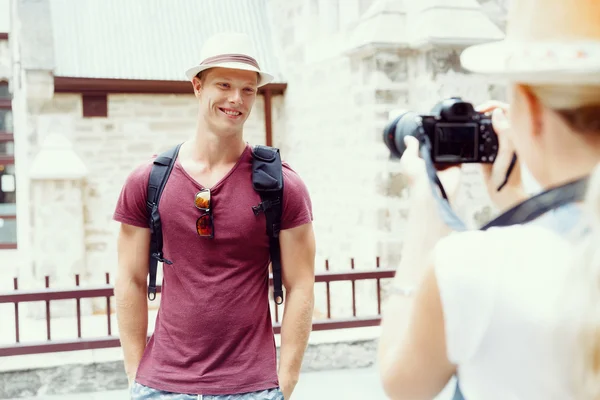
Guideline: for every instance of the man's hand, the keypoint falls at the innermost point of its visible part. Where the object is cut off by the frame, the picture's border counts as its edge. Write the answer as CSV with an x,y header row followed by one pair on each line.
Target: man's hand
x,y
287,385
130,295
298,275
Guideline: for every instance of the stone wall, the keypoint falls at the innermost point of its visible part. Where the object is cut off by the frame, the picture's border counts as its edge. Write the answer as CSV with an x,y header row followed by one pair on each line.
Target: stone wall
x,y
327,137
337,104
86,378
137,127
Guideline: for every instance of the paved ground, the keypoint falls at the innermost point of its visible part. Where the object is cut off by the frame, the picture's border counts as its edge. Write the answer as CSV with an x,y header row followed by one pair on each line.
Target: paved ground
x,y
350,384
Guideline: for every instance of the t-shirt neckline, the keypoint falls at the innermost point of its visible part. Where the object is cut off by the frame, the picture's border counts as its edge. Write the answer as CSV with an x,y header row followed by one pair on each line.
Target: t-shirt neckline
x,y
221,181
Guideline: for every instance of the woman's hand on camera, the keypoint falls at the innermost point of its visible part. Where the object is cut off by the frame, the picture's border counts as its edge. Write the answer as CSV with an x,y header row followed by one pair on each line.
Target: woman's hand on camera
x,y
495,174
413,167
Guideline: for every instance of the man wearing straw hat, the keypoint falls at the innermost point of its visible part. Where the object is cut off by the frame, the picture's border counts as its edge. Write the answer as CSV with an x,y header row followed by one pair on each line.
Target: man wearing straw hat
x,y
213,337
512,311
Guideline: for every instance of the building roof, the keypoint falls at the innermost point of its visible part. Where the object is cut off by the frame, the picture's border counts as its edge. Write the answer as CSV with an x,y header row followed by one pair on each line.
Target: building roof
x,y
150,39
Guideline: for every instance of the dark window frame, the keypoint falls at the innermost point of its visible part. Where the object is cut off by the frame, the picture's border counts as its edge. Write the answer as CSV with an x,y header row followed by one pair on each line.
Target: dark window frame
x,y
95,105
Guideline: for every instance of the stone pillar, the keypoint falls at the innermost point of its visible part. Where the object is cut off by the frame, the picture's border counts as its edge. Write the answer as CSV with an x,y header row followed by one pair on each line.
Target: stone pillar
x,y
32,54
407,57
58,237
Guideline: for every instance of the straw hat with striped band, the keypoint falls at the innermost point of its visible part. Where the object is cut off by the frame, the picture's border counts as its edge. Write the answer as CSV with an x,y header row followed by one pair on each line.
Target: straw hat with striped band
x,y
229,50
547,42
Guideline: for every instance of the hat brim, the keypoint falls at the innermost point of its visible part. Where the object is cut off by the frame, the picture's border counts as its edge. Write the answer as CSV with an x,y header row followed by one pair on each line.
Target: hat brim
x,y
265,77
539,63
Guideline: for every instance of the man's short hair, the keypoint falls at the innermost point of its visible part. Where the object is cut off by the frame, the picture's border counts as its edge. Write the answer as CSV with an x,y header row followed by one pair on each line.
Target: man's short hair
x,y
200,75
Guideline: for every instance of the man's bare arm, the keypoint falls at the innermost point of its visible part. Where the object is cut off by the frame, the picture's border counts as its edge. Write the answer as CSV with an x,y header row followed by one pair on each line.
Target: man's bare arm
x,y
298,274
130,294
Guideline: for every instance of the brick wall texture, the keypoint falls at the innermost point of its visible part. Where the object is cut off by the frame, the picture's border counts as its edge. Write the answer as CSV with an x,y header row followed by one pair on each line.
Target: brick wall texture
x,y
137,127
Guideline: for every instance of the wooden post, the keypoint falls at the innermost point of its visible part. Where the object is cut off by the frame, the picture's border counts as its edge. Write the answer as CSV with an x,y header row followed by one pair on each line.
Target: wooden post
x,y
268,117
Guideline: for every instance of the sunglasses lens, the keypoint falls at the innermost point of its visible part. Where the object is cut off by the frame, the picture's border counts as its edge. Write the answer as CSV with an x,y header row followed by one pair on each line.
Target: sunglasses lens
x,y
204,225
202,199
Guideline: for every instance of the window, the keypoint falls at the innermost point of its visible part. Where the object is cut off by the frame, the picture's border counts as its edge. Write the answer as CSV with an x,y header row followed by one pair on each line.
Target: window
x,y
8,192
95,105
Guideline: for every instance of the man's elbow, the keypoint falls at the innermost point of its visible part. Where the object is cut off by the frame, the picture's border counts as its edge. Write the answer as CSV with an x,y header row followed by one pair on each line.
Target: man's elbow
x,y
304,290
127,286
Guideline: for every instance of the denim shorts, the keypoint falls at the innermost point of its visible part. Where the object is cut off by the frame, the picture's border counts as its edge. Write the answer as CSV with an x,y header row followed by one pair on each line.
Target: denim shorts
x,y
141,392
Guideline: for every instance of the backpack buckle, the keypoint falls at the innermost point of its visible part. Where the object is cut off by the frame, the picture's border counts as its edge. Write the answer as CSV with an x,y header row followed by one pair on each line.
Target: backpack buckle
x,y
278,295
264,206
151,293
258,209
159,257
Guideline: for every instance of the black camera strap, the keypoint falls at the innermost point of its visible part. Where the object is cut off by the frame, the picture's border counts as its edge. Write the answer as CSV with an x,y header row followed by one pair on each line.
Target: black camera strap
x,y
446,212
522,213
540,204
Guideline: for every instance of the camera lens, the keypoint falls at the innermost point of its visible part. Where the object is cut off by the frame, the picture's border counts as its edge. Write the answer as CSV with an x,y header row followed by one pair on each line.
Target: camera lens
x,y
395,131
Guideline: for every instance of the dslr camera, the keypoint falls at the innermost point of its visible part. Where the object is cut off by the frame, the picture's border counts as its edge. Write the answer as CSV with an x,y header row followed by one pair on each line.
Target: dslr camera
x,y
457,133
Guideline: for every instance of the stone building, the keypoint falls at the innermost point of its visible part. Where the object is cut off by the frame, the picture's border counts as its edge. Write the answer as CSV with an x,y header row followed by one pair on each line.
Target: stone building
x,y
98,87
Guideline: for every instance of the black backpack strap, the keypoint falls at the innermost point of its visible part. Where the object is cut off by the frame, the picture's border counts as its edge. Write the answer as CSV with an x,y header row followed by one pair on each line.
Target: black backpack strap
x,y
161,169
267,180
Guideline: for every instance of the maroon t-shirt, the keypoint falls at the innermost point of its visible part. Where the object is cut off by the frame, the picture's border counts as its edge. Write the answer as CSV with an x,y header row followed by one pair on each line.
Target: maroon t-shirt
x,y
213,332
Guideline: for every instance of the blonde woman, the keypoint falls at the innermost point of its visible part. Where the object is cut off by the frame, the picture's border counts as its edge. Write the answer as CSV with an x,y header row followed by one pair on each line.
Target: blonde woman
x,y
513,312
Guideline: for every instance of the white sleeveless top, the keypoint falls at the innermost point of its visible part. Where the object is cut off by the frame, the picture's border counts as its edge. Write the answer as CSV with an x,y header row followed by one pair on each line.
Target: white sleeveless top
x,y
501,294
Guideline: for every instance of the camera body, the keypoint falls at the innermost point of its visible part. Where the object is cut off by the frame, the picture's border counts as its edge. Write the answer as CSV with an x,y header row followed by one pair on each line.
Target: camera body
x,y
458,134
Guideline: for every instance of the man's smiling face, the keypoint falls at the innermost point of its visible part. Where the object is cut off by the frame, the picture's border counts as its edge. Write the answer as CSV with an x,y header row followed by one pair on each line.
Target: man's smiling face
x,y
226,98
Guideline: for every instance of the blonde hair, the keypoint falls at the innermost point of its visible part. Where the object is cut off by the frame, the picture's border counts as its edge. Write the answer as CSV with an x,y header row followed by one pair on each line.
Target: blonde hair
x,y
579,107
